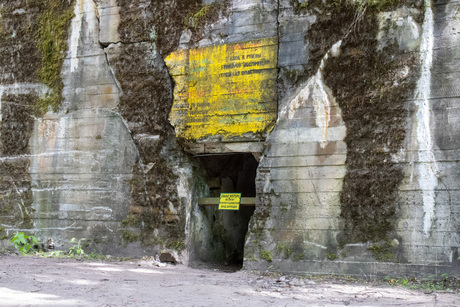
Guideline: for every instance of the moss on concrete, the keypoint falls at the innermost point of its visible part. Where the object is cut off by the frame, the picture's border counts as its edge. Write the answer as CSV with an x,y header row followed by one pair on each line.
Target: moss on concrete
x,y
266,255
19,57
17,124
384,251
197,19
129,237
284,250
53,21
15,193
149,32
3,233
372,98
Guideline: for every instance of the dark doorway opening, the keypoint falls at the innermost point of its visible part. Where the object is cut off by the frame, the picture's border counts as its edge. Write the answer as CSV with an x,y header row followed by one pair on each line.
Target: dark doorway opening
x,y
229,173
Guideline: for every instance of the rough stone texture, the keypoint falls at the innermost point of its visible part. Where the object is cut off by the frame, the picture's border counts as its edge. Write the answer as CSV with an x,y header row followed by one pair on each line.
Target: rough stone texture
x,y
300,175
212,233
309,210
165,183
19,92
360,171
431,235
82,156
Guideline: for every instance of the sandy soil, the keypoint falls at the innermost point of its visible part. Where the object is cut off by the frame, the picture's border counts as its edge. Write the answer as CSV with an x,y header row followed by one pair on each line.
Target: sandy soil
x,y
36,281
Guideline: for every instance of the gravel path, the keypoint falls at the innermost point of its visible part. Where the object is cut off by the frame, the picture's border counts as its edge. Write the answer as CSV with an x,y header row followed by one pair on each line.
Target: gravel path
x,y
36,281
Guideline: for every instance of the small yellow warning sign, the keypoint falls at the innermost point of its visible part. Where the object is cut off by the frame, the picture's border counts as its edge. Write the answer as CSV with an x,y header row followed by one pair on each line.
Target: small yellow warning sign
x,y
229,201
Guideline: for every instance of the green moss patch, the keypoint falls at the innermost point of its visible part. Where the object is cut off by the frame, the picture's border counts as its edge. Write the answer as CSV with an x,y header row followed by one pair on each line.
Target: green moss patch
x,y
19,57
384,251
266,255
205,14
17,124
53,22
15,193
372,98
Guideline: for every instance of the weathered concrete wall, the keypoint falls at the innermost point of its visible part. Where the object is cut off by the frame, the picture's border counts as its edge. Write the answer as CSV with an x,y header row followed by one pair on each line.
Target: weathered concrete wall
x,y
83,155
358,175
353,172
20,90
101,164
429,220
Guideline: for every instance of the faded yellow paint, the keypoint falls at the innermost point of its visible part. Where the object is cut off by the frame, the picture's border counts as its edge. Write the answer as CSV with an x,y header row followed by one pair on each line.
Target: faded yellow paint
x,y
226,90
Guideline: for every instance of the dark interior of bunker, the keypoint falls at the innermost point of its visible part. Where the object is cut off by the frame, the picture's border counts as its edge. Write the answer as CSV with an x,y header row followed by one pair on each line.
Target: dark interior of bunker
x,y
227,173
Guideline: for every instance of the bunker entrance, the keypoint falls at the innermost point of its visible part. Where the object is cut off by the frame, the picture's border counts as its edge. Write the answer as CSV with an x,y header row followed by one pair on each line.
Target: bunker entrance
x,y
225,174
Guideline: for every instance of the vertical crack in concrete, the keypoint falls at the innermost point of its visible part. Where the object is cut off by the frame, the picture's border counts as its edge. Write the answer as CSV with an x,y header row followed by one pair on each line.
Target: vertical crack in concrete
x,y
103,47
120,91
112,72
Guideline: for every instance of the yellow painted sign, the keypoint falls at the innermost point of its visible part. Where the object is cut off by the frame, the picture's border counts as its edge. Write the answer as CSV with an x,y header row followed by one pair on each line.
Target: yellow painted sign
x,y
226,90
229,201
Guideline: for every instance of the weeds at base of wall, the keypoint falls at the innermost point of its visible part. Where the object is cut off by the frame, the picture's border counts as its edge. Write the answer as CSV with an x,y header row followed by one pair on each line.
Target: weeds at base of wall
x,y
24,243
429,285
29,245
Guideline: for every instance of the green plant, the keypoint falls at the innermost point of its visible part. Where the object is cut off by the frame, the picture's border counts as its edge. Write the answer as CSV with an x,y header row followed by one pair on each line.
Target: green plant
x,y
76,249
23,243
332,256
266,256
403,281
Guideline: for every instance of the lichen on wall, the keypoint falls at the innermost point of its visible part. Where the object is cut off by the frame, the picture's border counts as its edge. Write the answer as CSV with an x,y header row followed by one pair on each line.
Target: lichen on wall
x,y
53,25
159,210
19,94
345,192
373,101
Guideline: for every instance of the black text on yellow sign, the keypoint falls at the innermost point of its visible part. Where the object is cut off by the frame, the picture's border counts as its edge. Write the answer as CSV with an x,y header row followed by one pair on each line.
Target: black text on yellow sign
x,y
229,201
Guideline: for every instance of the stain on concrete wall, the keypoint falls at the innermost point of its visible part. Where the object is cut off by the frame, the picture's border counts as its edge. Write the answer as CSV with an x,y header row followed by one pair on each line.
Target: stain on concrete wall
x,y
225,92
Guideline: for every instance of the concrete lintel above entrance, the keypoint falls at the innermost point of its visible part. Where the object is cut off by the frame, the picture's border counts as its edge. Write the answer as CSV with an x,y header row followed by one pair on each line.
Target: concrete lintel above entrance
x,y
219,148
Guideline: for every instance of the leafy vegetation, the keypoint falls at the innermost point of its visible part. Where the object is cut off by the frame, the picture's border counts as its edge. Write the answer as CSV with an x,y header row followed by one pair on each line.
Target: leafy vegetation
x,y
24,243
76,249
266,256
430,284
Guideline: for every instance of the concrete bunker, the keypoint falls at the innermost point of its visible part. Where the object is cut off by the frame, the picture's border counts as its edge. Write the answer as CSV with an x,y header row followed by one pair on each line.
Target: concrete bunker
x,y
227,173
225,104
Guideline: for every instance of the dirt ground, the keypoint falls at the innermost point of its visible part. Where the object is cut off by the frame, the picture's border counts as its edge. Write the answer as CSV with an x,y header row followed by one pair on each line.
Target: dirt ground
x,y
37,281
